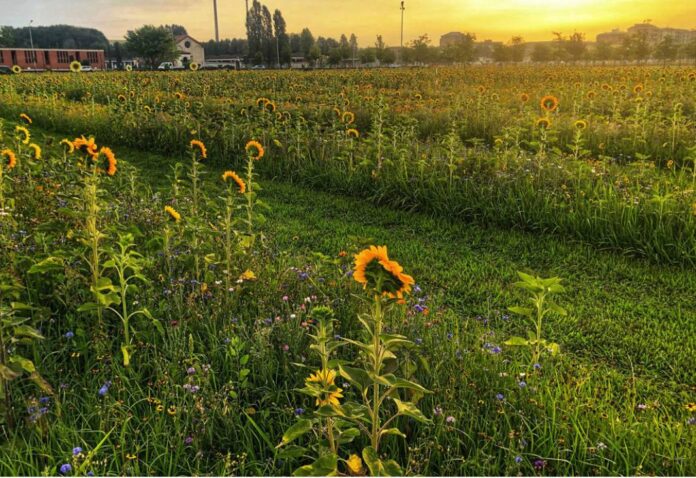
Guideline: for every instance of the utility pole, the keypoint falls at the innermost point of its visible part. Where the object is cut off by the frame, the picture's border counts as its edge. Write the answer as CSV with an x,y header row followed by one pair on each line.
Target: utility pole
x,y
278,50
401,52
31,42
217,31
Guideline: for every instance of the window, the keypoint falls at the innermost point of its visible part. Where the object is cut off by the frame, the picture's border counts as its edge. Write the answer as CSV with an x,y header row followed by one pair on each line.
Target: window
x,y
47,57
63,57
2,57
187,44
92,57
30,56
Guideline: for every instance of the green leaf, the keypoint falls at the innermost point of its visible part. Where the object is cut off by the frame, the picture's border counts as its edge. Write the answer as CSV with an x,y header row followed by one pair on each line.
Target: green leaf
x,y
25,364
324,466
521,311
126,355
47,265
410,410
298,429
356,376
392,431
403,383
292,451
516,341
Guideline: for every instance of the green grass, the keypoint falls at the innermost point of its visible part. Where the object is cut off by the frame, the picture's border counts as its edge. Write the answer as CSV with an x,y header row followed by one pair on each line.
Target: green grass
x,y
626,312
628,340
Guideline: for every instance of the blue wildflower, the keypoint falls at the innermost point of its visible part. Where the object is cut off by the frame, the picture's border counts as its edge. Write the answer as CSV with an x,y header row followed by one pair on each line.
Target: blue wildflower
x,y
65,468
69,334
76,451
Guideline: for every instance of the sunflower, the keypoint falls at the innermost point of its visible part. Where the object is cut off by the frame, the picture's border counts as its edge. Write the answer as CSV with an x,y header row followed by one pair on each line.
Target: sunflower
x,y
173,214
262,102
549,103
348,117
355,465
374,269
580,125
524,97
171,411
121,98
129,67
75,67
178,95
16,69
638,89
11,158
690,407
69,144
257,146
194,66
543,123
591,95
353,133
23,134
232,175
86,146
195,143
111,160
26,118
270,106
325,379
36,150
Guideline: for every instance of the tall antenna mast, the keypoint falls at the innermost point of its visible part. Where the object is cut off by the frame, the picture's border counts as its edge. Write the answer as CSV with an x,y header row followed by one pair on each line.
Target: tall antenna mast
x,y
402,29
217,31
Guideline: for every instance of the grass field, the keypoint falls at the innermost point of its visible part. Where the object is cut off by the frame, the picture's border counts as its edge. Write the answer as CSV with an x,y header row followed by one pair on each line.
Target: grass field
x,y
214,377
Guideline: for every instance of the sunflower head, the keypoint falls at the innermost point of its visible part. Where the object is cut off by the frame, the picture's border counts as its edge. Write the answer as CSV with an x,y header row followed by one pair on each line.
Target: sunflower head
x,y
348,117
198,145
110,160
194,66
76,67
375,271
35,151
355,465
22,134
26,118
16,69
549,103
254,150
323,386
232,176
543,123
580,125
87,146
353,133
173,214
11,158
69,147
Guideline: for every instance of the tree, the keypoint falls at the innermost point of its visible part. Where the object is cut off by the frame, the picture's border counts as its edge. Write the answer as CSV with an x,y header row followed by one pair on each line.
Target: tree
x,y
462,51
153,44
6,37
420,45
388,56
501,53
636,47
517,49
368,55
575,46
282,40
541,52
306,42
603,51
344,47
690,50
666,50
118,55
177,30
56,36
268,43
353,45
254,25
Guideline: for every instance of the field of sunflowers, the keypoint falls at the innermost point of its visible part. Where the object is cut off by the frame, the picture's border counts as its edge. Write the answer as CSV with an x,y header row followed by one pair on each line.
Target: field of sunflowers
x,y
436,271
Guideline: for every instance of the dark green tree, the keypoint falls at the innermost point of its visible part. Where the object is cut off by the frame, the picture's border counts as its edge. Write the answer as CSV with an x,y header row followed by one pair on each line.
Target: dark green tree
x,y
517,49
153,44
666,50
282,39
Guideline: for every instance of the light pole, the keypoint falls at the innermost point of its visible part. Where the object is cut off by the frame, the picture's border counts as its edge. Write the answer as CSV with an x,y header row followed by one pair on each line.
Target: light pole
x,y
401,52
31,43
217,32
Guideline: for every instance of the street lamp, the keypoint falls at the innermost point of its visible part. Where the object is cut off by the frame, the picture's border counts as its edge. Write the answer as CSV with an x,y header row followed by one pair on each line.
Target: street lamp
x,y
402,30
31,42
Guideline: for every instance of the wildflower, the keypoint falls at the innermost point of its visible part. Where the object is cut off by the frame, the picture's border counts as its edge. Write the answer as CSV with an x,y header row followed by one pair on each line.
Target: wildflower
x,y
65,468
691,421
549,103
522,384
188,440
201,147
36,150
373,268
171,411
190,371
299,411
76,451
173,214
254,145
247,275
355,465
450,420
131,457
111,160
159,408
326,378
500,397
518,459
240,182
642,407
691,407
105,388
539,464
69,334
437,411
537,366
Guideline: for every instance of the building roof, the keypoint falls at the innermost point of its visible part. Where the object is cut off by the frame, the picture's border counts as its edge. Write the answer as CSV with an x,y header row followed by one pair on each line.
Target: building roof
x,y
180,38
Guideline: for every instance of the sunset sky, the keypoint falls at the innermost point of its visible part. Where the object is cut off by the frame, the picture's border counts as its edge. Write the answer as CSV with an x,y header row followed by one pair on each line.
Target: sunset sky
x,y
494,19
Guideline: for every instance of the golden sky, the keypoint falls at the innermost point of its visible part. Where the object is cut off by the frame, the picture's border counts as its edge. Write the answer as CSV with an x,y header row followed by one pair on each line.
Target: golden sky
x,y
494,19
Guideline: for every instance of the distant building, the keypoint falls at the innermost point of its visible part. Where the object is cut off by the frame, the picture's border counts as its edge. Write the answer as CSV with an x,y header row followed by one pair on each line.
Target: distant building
x,y
450,39
650,32
50,59
298,62
190,49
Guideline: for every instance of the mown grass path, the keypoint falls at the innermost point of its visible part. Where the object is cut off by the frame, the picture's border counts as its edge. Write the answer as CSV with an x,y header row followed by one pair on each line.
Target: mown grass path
x,y
628,313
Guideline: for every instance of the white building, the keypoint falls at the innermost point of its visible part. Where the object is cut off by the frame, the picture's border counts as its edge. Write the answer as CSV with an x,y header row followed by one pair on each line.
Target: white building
x,y
191,50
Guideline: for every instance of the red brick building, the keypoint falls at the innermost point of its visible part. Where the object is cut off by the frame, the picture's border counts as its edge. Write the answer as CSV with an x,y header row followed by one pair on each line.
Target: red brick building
x,y
50,59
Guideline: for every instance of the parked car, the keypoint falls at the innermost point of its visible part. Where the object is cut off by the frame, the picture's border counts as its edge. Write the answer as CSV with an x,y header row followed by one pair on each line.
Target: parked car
x,y
5,70
86,68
